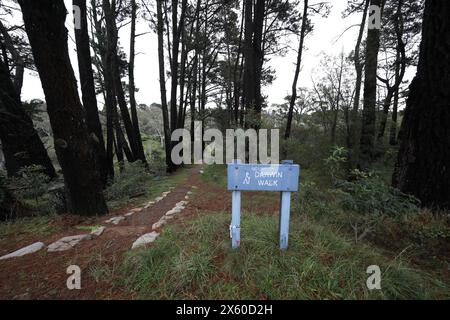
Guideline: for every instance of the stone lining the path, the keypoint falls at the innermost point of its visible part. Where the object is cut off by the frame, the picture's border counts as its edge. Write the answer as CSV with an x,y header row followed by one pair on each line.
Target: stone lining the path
x,y
115,220
145,239
68,243
35,247
151,237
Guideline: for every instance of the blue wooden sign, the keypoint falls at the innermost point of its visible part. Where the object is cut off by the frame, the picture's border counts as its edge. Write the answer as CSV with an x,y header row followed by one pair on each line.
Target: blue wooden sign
x,y
259,177
251,177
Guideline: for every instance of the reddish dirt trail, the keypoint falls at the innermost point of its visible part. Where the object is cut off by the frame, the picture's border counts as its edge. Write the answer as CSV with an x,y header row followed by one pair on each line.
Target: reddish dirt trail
x,y
43,275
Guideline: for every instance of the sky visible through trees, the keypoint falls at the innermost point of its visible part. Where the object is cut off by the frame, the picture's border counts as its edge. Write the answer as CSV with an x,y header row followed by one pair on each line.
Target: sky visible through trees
x,y
330,36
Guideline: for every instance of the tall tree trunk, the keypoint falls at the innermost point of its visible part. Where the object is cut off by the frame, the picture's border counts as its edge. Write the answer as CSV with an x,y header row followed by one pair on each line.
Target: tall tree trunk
x,y
162,84
423,163
109,9
359,67
368,130
259,58
400,68
20,142
132,88
88,89
297,71
237,72
174,66
393,128
44,22
104,50
249,61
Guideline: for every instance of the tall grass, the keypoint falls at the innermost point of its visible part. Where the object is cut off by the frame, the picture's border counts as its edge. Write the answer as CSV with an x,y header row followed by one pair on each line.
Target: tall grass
x,y
193,260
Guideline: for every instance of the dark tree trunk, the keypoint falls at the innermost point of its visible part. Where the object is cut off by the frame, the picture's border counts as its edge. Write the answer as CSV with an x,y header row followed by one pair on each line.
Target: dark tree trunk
x,y
237,72
368,129
88,89
400,68
249,61
19,62
297,71
132,87
109,9
104,51
254,59
20,142
359,67
423,163
259,58
162,84
174,67
393,128
44,22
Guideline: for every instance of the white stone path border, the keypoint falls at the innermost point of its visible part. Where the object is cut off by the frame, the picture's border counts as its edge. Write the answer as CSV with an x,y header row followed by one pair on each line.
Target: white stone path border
x,y
68,243
151,237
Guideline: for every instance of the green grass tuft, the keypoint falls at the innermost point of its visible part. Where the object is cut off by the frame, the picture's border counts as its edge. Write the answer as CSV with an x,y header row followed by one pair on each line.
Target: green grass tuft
x,y
194,261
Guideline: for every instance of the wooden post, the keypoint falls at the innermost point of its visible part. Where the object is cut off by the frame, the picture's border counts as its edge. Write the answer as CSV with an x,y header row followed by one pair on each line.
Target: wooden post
x,y
285,212
235,228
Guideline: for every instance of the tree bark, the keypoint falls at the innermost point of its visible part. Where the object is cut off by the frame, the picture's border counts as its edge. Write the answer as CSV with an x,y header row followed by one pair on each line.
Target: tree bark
x,y
109,9
20,142
400,68
162,84
297,71
132,88
88,89
422,167
368,130
359,68
44,22
19,62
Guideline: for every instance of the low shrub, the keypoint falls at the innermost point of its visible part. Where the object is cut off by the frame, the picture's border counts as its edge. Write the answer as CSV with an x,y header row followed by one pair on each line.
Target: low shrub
x,y
368,194
131,182
30,183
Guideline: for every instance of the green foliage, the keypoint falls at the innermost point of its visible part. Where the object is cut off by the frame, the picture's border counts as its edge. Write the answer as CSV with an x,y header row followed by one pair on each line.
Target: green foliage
x,y
308,148
30,183
368,194
335,163
157,163
131,182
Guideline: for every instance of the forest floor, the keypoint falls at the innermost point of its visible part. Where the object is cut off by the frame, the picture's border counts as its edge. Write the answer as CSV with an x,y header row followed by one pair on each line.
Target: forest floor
x,y
43,275
192,257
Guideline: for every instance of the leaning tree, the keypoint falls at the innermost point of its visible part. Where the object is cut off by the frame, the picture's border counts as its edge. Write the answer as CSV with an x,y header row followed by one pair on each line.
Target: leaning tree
x,y
44,23
423,165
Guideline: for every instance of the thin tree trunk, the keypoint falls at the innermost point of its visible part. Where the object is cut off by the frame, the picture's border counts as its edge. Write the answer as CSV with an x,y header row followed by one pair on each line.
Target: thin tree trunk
x,y
393,128
297,71
162,84
132,88
44,22
112,39
359,67
88,89
104,48
400,68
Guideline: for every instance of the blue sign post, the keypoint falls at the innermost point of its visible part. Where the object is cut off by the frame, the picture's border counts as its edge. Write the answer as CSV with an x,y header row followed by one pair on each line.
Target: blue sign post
x,y
262,177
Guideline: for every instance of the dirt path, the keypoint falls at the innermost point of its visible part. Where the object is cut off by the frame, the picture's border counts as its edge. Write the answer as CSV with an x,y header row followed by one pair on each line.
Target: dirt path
x,y
43,275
